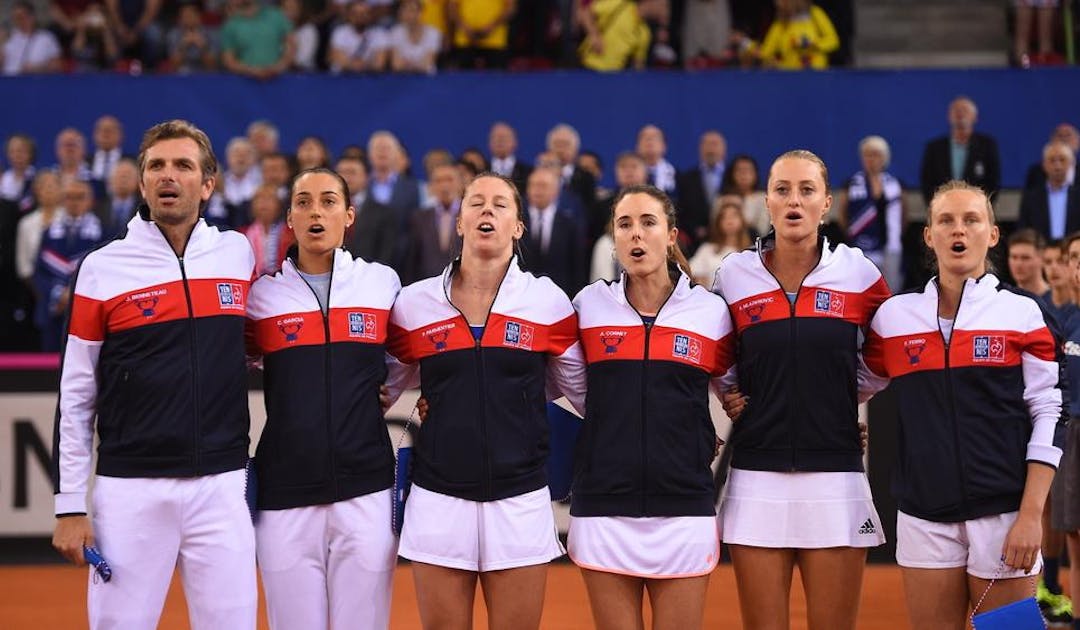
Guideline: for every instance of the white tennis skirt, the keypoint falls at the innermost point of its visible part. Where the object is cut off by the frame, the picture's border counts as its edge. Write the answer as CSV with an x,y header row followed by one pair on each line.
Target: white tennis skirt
x,y
801,510
651,547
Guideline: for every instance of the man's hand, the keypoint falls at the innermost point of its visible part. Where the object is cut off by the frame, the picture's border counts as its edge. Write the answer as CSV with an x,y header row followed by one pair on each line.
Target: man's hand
x,y
71,534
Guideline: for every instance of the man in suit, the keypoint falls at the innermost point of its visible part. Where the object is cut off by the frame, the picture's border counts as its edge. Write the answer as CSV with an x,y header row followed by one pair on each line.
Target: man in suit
x,y
1052,209
698,189
122,198
1068,134
433,237
552,246
277,172
564,143
502,141
652,147
389,185
108,138
374,233
963,154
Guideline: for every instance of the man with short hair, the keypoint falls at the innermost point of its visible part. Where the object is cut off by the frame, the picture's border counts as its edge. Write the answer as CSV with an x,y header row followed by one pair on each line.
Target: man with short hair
x,y
276,171
108,138
154,361
552,243
263,135
1025,255
564,143
374,232
122,198
256,40
699,187
963,154
241,179
652,147
502,141
433,237
28,49
356,45
1053,208
71,156
1070,136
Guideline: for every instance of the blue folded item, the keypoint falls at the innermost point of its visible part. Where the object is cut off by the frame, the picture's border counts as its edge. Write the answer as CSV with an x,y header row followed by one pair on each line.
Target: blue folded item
x,y
564,427
1021,615
94,558
402,484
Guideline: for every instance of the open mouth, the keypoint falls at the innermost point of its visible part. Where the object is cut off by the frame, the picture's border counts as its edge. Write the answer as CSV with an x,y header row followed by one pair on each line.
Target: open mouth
x,y
168,194
637,253
959,247
793,216
316,229
486,227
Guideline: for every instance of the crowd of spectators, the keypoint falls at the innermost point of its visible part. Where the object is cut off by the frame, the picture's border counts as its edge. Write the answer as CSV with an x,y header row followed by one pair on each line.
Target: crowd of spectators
x,y
54,208
265,38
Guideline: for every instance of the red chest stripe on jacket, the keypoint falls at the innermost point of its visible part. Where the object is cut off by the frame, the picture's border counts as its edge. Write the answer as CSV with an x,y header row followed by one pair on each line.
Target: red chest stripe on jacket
x,y
897,356
811,302
87,320
409,346
500,331
611,343
347,325
168,302
763,307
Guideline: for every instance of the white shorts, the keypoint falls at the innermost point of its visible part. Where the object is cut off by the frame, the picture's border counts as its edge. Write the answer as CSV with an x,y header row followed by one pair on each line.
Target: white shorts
x,y
800,510
653,547
479,536
328,566
975,545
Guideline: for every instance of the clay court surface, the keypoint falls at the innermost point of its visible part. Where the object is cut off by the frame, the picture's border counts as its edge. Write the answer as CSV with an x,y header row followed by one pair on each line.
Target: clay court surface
x,y
53,597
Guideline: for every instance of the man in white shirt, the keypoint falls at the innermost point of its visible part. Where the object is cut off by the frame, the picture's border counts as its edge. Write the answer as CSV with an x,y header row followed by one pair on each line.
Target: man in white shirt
x,y
354,46
28,49
243,176
502,141
652,147
108,136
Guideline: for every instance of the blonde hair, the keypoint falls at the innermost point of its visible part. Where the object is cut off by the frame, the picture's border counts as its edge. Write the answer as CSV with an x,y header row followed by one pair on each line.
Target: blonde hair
x,y
809,156
959,184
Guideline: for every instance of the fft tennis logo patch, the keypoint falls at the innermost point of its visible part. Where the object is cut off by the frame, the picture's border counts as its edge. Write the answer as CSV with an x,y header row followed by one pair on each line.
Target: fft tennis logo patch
x,y
518,335
686,347
362,325
829,302
230,295
988,349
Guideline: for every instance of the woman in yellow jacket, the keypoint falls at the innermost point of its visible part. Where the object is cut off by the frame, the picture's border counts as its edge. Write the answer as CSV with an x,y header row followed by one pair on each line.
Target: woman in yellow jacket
x,y
616,36
802,36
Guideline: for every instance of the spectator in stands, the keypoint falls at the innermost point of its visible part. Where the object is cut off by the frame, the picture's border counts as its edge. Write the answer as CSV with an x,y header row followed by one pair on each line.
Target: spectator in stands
x,y
699,187
64,16
616,36
356,45
373,235
652,147
801,37
241,179
1068,134
870,210
1025,255
1053,209
564,143
413,45
964,154
269,238
354,151
1062,297
552,244
728,233
191,47
16,183
263,136
312,153
49,195
1026,11
389,185
433,237
108,149
277,172
433,158
136,29
503,144
741,178
629,171
476,157
256,40
122,198
25,48
218,212
69,237
94,46
591,163
304,34
706,35
481,32
71,156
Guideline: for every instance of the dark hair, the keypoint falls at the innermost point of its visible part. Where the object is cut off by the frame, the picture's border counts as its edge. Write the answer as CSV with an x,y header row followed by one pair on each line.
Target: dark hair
x,y
469,166
483,160
716,236
674,253
594,155
174,129
1028,236
727,183
315,171
322,145
29,143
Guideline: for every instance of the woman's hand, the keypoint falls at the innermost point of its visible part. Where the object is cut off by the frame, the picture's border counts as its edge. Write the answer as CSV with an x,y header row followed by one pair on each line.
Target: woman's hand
x,y
734,403
1023,542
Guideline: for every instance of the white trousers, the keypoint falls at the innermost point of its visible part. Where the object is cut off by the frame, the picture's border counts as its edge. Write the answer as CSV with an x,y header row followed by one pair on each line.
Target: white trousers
x,y
328,566
147,528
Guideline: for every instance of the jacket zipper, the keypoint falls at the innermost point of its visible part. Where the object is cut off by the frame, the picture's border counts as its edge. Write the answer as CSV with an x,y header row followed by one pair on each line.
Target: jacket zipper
x,y
793,428
644,394
194,338
480,411
952,401
327,379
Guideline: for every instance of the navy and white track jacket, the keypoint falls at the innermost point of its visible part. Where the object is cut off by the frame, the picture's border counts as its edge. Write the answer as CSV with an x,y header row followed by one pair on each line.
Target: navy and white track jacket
x,y
974,409
486,432
325,438
799,363
647,443
155,352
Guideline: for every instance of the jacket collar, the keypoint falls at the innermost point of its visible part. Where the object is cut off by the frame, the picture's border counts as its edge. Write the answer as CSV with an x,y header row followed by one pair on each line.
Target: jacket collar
x,y
974,288
681,290
512,277
143,227
768,243
342,260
